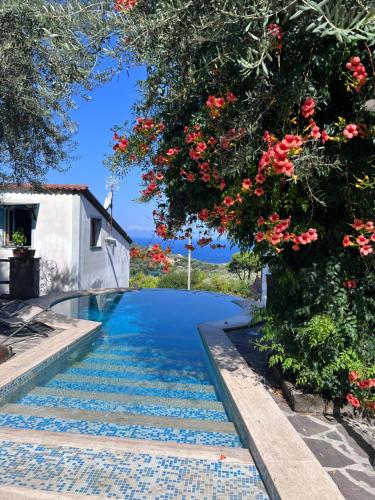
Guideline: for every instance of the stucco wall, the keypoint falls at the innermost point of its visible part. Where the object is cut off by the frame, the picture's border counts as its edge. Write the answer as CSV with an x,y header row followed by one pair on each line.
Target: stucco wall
x,y
106,266
52,238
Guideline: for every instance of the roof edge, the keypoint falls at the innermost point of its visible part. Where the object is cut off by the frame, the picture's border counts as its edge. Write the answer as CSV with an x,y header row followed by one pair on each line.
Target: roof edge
x,y
69,188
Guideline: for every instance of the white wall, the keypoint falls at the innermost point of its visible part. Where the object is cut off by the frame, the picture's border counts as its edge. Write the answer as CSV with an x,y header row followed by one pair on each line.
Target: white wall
x,y
106,266
52,238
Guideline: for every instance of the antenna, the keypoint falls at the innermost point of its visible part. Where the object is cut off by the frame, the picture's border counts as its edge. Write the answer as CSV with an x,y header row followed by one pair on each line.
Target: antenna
x,y
111,184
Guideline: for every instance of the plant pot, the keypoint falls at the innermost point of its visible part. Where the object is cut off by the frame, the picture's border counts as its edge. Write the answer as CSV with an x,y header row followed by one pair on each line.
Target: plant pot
x,y
23,253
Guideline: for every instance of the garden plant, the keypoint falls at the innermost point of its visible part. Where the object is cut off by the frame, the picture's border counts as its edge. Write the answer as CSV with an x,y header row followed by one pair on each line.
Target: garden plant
x,y
257,122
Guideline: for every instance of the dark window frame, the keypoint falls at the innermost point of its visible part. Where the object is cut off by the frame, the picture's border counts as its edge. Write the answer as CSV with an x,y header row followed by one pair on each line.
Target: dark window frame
x,y
10,224
95,232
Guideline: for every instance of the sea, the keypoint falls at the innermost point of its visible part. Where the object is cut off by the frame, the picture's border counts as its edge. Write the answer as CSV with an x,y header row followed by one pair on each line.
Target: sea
x,y
205,254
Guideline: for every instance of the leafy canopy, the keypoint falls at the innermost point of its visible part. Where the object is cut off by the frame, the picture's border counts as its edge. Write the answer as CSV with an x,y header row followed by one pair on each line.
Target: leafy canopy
x,y
49,51
220,74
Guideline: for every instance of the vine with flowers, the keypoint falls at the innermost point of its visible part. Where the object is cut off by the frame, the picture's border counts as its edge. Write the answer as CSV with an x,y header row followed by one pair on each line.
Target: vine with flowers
x,y
257,125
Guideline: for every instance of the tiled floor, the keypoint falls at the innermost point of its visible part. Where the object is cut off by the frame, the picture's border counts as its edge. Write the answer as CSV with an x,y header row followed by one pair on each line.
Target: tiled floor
x,y
126,475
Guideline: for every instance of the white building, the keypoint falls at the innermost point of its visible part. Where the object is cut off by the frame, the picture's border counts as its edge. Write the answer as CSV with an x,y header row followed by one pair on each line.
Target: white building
x,y
72,234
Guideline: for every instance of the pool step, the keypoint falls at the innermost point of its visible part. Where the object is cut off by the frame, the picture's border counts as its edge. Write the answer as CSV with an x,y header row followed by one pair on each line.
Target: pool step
x,y
143,363
125,398
148,360
141,387
82,468
65,398
54,401
139,373
112,348
24,418
173,386
121,418
121,387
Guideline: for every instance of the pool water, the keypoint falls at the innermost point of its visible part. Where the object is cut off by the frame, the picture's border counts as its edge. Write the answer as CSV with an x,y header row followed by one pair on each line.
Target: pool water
x,y
146,375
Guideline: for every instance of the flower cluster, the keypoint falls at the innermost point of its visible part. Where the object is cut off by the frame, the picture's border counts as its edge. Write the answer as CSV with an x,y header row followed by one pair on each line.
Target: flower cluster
x,y
152,180
125,5
275,31
138,145
350,131
308,107
358,71
363,389
277,158
121,144
364,238
215,104
155,256
149,128
350,284
275,233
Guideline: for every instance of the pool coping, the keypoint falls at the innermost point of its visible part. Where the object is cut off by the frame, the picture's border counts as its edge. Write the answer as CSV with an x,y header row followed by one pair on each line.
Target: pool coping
x,y
288,468
18,369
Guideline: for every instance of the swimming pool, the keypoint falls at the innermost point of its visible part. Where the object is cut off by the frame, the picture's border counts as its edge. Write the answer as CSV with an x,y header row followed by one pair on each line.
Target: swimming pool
x,y
146,375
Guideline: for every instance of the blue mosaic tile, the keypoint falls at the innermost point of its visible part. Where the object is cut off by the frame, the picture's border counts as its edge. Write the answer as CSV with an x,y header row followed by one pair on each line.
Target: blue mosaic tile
x,y
143,367
162,377
96,405
147,361
28,376
139,476
120,431
133,390
141,352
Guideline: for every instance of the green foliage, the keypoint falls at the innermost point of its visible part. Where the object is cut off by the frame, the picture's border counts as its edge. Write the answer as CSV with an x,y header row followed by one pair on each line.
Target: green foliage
x,y
211,282
49,51
317,328
18,237
328,329
141,280
178,279
244,264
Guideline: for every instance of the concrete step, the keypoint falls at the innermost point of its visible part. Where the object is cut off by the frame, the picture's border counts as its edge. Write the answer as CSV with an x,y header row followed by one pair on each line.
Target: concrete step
x,y
121,418
48,462
138,373
146,352
189,391
76,383
126,398
25,417
52,398
154,360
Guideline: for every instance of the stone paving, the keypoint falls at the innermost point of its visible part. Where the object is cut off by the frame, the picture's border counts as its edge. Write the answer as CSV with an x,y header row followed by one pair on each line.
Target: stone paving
x,y
339,444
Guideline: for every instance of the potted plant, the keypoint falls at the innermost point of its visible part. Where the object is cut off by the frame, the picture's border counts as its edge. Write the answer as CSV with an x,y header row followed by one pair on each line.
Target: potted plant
x,y
19,240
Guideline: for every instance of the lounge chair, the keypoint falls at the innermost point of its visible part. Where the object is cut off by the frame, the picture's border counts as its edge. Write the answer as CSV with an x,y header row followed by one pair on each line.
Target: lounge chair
x,y
13,307
24,320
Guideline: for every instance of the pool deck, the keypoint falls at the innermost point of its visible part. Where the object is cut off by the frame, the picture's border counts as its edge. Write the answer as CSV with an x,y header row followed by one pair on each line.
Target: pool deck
x,y
289,468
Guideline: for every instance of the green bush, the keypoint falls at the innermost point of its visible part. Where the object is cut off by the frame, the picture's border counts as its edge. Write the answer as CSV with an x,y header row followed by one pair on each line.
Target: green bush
x,y
178,279
317,349
141,280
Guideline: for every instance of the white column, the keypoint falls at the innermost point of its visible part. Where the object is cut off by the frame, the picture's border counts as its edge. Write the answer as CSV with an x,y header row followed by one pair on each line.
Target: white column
x,y
189,266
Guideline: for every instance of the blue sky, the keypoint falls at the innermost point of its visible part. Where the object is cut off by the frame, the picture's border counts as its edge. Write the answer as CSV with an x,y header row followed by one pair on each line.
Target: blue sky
x,y
109,105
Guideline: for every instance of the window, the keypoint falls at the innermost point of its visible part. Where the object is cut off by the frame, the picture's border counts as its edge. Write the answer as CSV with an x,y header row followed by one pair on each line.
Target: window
x,y
95,228
16,218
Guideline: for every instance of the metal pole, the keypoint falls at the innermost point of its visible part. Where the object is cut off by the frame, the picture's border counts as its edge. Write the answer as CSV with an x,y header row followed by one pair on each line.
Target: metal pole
x,y
189,265
111,219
